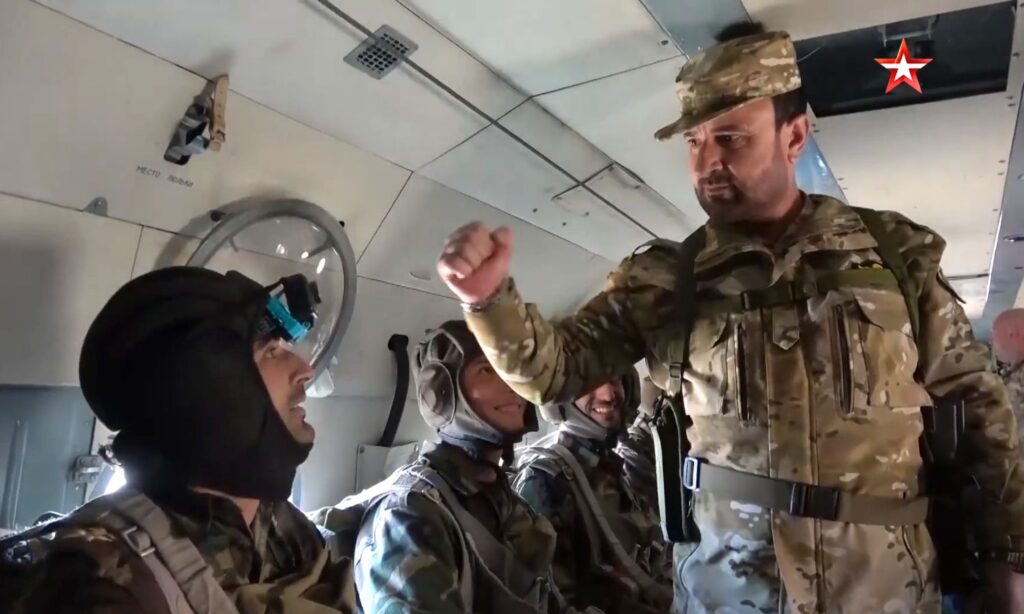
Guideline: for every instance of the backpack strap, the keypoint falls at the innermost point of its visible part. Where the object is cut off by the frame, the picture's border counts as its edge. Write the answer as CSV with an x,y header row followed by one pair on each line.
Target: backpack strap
x,y
686,305
589,505
180,570
889,251
668,430
552,464
786,292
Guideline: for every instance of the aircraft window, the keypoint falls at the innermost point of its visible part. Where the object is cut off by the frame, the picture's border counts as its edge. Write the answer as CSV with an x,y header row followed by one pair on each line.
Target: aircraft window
x,y
275,239
116,481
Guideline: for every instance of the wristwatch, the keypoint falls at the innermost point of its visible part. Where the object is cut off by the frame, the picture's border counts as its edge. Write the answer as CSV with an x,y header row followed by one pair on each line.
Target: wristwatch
x,y
486,303
1014,558
1016,561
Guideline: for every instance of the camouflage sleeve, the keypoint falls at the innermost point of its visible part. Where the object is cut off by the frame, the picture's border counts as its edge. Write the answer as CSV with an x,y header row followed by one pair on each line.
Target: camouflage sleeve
x,y
953,362
546,362
408,561
553,500
90,572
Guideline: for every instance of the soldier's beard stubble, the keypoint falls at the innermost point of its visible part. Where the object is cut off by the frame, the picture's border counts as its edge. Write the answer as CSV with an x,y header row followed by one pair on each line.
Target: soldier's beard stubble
x,y
728,199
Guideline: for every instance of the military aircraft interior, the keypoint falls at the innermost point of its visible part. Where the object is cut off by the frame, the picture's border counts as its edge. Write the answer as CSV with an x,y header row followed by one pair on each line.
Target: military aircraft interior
x,y
344,140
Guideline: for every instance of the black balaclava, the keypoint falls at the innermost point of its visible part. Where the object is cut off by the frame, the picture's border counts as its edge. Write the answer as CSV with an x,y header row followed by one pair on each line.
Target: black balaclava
x,y
169,364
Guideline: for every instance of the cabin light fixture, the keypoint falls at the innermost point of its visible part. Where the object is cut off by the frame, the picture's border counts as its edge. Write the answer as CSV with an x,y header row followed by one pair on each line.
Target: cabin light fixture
x,y
1018,238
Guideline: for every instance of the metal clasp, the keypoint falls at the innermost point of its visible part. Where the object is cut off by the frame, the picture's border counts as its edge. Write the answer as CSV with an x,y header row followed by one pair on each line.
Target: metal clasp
x,y
691,473
814,501
139,541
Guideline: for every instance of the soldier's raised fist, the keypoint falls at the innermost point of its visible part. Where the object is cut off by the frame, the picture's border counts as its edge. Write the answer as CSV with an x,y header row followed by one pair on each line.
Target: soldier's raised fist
x,y
475,261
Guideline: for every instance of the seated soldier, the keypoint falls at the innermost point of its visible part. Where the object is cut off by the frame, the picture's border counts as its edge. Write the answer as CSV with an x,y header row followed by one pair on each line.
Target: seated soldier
x,y
610,552
449,534
191,368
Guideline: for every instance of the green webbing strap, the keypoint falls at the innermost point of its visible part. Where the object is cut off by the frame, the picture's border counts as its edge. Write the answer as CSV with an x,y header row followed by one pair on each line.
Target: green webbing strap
x,y
800,499
686,297
668,430
787,292
889,250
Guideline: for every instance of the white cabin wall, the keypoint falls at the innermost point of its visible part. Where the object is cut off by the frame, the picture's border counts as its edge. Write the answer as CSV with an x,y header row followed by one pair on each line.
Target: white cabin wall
x,y
90,116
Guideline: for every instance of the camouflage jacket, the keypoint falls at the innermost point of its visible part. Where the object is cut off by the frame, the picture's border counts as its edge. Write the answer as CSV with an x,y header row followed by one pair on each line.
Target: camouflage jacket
x,y
581,579
87,569
408,557
823,391
1013,377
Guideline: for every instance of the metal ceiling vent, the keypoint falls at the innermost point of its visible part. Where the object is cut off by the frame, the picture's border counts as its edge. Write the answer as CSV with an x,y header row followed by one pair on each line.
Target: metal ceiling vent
x,y
381,53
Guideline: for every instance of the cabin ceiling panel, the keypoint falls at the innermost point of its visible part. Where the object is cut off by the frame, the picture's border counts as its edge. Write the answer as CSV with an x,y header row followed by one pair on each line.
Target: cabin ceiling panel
x,y
620,115
288,57
538,127
540,46
495,169
101,119
548,270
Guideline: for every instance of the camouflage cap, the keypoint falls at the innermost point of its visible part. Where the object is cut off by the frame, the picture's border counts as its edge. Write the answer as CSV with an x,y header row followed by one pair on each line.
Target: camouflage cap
x,y
731,75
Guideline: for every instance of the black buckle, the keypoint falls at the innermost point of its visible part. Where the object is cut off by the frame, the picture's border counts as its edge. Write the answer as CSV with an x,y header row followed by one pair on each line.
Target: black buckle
x,y
814,501
691,473
780,293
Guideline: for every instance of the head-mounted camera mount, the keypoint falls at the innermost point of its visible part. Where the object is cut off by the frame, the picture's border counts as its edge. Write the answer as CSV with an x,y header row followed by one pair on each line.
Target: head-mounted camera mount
x,y
290,313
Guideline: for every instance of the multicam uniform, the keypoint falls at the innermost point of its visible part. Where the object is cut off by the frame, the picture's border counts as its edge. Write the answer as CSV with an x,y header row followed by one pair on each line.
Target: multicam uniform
x,y
1013,377
822,390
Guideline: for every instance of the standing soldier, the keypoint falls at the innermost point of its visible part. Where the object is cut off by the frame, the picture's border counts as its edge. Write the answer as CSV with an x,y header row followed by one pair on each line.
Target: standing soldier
x,y
610,552
803,337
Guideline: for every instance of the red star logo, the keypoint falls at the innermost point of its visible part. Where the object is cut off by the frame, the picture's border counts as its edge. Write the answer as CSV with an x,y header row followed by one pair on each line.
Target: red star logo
x,y
903,68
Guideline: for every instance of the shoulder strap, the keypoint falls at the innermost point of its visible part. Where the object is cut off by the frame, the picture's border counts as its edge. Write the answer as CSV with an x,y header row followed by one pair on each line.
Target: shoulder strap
x,y
177,565
889,250
626,562
497,560
686,298
551,463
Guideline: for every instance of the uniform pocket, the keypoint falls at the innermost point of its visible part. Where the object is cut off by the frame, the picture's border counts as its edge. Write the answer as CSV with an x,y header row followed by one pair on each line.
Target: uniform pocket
x,y
712,362
877,350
